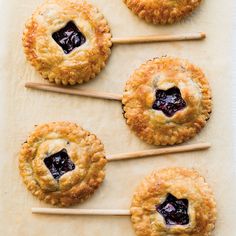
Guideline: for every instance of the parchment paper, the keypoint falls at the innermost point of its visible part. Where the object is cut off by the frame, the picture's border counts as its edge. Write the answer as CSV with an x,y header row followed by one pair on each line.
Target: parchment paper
x,y
21,109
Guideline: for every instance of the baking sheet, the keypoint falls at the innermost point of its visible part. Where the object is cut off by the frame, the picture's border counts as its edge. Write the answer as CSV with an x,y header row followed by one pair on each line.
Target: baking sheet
x,y
21,109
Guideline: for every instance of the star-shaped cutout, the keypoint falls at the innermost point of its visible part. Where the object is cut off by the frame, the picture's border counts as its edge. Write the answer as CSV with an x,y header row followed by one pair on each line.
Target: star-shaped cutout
x,y
59,164
169,101
69,37
174,211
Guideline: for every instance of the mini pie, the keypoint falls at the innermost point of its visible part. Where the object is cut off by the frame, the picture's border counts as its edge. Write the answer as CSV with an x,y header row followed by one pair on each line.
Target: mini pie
x,y
61,163
173,201
67,41
167,101
162,11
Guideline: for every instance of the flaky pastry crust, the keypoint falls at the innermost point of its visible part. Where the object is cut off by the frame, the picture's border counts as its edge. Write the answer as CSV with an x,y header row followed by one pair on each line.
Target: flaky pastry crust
x,y
162,11
153,126
183,184
85,61
84,149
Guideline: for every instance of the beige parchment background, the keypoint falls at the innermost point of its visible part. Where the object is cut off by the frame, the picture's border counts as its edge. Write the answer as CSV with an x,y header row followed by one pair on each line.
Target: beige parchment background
x,y
21,109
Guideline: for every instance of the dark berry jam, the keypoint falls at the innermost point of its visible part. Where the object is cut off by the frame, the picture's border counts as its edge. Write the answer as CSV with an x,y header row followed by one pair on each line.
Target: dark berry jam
x,y
59,164
69,37
169,101
174,211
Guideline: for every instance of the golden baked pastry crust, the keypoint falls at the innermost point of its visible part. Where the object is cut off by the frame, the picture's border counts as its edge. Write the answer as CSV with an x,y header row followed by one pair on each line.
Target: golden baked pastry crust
x,y
183,184
84,149
85,61
162,11
153,126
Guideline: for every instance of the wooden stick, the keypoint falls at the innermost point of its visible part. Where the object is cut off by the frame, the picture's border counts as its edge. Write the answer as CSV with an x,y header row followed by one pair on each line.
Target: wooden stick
x,y
117,212
159,38
72,91
68,211
159,151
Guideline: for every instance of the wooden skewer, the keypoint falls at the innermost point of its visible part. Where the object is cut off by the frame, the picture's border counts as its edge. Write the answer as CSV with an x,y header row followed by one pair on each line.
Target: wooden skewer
x,y
160,38
129,40
159,151
117,97
119,212
72,91
68,211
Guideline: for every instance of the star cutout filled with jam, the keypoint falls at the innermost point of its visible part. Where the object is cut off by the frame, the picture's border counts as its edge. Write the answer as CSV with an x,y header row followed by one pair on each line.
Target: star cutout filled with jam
x,y
169,101
69,37
174,211
59,164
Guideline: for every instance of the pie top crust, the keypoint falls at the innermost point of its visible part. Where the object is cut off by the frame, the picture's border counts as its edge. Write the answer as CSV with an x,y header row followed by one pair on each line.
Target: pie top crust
x,y
86,155
162,11
166,74
48,57
182,183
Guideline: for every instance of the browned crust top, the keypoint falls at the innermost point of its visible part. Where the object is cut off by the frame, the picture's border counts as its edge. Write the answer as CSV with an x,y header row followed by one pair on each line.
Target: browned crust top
x,y
162,11
183,184
84,62
84,149
154,127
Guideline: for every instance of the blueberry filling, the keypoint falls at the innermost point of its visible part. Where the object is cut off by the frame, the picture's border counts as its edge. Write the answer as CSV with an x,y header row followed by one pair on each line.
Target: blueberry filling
x,y
169,101
59,164
69,37
174,211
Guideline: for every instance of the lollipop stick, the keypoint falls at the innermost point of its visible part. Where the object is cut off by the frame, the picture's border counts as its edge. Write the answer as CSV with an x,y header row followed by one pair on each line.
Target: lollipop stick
x,y
159,151
68,211
117,212
72,91
159,38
